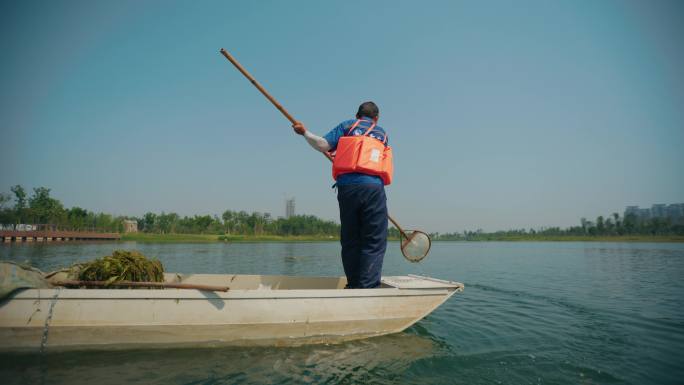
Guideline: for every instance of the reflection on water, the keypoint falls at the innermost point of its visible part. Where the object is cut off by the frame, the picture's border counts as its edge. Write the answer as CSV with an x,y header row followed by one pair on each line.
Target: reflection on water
x,y
355,362
561,313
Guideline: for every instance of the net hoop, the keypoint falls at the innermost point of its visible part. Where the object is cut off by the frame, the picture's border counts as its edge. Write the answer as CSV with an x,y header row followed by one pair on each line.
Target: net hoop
x,y
410,245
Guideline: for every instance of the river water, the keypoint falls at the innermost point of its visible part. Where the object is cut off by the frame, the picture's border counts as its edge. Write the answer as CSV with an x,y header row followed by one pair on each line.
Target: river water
x,y
531,313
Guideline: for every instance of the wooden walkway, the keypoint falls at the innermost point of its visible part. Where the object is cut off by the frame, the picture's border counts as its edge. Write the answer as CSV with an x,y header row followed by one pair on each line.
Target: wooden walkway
x,y
49,236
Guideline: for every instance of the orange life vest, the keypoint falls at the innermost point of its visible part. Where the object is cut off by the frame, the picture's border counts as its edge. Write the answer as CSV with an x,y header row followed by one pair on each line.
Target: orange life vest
x,y
363,154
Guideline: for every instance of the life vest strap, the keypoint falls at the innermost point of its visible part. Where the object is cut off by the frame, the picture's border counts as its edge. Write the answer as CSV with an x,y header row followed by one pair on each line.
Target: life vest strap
x,y
372,126
353,126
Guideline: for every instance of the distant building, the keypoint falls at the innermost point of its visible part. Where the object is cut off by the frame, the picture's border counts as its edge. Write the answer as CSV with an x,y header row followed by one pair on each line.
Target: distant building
x,y
130,226
289,208
674,212
645,214
659,211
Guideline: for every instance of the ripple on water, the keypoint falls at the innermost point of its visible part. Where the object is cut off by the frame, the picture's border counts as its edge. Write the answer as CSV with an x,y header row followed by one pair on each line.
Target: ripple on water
x,y
531,313
356,361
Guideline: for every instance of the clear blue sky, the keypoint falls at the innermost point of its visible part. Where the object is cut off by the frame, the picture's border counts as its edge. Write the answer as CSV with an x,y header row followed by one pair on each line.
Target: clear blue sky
x,y
502,113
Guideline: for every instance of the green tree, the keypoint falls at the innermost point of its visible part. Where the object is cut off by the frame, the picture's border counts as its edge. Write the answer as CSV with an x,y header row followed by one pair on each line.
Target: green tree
x,y
4,200
78,218
109,223
618,224
167,223
45,209
6,213
600,226
228,224
609,226
585,225
149,220
20,196
20,209
630,223
202,223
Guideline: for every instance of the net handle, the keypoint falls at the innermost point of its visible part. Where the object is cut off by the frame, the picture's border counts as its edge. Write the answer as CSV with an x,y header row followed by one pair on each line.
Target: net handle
x,y
407,239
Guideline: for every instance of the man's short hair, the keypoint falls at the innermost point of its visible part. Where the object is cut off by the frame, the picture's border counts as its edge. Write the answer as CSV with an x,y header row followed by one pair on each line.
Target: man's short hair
x,y
369,110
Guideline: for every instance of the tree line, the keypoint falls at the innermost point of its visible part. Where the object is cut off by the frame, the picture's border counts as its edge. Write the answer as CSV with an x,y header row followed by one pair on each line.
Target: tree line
x,y
613,225
237,223
40,208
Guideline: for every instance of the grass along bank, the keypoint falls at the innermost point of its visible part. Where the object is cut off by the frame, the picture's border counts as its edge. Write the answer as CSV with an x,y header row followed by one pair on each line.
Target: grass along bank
x,y
190,238
570,238
277,238
151,237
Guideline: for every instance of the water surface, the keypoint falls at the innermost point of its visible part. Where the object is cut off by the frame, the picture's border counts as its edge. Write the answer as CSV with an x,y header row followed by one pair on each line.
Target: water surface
x,y
531,313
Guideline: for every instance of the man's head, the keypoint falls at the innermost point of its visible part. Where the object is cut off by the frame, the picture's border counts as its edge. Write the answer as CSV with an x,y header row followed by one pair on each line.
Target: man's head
x,y
368,110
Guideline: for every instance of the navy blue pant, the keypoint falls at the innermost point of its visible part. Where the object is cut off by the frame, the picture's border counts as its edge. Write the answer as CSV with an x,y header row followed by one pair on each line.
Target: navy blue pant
x,y
363,215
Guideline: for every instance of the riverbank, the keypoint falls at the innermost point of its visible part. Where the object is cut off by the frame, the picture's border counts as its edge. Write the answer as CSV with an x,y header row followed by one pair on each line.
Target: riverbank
x,y
199,238
573,238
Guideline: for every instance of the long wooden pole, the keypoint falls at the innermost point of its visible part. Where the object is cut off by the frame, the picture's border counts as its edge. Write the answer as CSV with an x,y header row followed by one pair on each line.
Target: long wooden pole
x,y
141,284
287,114
257,85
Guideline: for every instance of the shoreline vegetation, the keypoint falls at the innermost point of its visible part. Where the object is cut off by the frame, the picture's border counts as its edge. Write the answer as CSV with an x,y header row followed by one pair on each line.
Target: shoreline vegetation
x,y
40,208
203,238
199,238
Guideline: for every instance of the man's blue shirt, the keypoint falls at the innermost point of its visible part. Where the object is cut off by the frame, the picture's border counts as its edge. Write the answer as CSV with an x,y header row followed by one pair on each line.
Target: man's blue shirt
x,y
341,130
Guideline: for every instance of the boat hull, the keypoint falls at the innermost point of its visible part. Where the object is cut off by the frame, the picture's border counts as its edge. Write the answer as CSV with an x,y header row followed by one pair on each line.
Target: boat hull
x,y
259,311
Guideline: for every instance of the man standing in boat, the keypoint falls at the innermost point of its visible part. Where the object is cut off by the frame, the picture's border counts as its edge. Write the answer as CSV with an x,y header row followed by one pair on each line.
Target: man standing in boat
x,y
362,166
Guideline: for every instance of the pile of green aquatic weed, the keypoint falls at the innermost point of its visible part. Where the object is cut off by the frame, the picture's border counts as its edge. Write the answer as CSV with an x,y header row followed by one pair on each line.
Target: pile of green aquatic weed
x,y
122,265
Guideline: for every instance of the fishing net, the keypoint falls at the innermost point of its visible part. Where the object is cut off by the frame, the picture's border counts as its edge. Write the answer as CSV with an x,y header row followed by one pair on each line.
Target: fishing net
x,y
122,265
415,245
14,276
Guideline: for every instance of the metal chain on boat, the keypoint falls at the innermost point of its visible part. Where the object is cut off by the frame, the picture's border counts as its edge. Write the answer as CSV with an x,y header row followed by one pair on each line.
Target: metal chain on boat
x,y
46,328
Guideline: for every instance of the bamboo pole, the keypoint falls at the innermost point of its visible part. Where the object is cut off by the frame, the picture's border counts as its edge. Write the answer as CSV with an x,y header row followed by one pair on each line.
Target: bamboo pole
x,y
289,117
165,285
257,85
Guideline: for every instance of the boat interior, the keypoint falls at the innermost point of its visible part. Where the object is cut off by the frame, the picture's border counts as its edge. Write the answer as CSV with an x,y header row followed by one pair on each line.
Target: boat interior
x,y
282,282
260,282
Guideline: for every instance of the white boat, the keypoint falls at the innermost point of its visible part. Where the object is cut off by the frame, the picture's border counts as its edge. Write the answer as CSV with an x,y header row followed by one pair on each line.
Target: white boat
x,y
256,310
